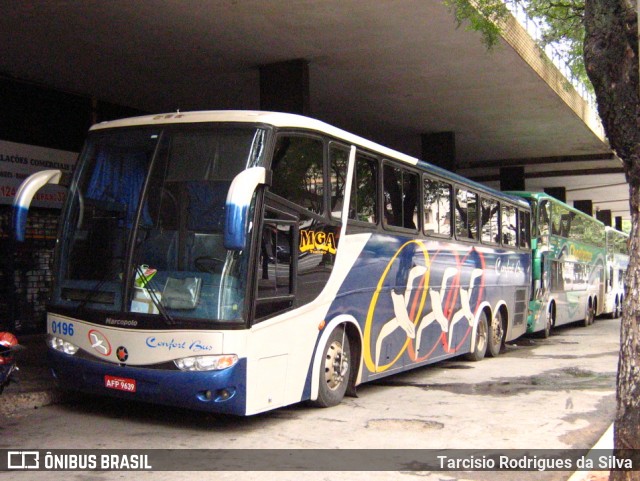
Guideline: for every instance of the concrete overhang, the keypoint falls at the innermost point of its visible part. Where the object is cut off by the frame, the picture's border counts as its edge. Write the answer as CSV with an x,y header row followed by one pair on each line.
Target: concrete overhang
x,y
387,70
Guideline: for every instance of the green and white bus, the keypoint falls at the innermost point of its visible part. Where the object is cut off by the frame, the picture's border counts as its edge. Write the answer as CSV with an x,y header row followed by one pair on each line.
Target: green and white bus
x,y
568,257
617,263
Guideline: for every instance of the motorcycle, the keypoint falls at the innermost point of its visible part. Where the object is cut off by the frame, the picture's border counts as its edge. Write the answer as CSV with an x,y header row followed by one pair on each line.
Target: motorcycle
x,y
9,349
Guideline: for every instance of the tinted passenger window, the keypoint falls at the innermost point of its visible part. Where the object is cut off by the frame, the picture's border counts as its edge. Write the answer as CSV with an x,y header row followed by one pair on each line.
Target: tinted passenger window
x,y
437,207
561,220
524,225
297,171
544,216
338,163
364,204
490,224
509,226
466,214
400,197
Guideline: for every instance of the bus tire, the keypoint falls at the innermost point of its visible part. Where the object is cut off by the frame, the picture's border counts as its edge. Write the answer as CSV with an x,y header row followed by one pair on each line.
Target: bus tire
x,y
616,310
496,336
335,370
482,334
590,315
549,322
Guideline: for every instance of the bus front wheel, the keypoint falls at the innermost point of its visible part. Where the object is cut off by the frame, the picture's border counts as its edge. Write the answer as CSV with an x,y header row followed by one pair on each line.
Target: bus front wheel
x,y
335,369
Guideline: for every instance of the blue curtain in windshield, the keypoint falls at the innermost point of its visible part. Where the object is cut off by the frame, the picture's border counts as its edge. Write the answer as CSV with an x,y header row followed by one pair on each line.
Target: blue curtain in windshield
x,y
206,205
118,178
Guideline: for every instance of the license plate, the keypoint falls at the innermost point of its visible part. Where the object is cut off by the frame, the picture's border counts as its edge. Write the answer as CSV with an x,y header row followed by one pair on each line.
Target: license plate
x,y
120,383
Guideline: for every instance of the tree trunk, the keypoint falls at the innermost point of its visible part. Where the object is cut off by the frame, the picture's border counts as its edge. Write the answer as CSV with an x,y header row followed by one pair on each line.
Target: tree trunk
x,y
611,59
627,422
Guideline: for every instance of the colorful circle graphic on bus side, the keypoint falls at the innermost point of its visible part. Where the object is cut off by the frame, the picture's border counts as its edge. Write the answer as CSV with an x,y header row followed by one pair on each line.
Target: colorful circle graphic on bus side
x,y
408,306
402,318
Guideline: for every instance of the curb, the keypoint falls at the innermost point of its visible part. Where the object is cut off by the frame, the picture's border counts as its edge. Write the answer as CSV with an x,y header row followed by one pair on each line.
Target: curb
x,y
34,385
604,443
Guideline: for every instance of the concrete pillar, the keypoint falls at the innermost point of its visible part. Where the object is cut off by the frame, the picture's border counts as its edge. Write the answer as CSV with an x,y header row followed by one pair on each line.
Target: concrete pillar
x,y
284,87
604,216
559,193
619,223
440,149
512,178
585,206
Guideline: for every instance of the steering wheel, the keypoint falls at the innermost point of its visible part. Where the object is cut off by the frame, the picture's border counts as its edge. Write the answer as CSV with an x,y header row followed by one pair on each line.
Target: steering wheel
x,y
209,264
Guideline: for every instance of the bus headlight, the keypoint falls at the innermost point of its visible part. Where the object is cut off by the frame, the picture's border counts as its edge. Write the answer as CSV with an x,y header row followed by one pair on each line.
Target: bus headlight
x,y
206,363
61,345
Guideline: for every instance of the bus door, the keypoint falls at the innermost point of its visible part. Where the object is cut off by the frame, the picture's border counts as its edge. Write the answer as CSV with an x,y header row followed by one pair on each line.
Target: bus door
x,y
277,261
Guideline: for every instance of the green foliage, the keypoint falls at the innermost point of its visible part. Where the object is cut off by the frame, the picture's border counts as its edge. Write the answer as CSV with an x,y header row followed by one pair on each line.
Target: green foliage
x,y
560,23
482,16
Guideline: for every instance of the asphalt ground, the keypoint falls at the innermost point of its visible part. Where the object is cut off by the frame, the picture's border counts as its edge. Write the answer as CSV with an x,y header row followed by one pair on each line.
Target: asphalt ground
x,y
540,393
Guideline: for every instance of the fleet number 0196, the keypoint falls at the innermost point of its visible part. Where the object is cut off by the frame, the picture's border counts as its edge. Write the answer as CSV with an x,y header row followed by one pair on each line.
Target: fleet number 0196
x,y
64,328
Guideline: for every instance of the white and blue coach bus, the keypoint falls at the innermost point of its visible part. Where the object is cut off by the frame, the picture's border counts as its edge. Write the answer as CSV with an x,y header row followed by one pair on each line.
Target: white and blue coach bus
x,y
237,262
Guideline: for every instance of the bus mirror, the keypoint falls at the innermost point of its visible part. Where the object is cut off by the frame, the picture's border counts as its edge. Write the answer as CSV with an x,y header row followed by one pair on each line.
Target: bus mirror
x,y
237,206
24,196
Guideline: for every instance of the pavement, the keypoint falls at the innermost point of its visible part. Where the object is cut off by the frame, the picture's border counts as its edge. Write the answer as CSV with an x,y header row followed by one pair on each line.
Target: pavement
x,y
34,388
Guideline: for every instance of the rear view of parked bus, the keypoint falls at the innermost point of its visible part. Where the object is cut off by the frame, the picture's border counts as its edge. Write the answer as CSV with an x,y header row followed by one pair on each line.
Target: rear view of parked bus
x,y
568,281
617,263
237,262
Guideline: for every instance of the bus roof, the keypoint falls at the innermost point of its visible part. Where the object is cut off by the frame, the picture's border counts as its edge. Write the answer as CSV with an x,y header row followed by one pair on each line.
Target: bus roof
x,y
286,120
542,195
615,232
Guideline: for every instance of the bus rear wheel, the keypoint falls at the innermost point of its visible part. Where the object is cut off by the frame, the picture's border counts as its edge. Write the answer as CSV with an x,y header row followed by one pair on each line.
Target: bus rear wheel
x,y
335,369
550,321
482,335
617,310
496,336
590,315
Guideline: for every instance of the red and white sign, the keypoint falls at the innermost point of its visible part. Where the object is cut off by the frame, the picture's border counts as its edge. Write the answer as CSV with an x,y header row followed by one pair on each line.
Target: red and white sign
x,y
19,161
120,383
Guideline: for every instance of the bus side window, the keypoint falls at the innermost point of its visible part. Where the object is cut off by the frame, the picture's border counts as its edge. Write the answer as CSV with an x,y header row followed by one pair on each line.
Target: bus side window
x,y
490,232
297,167
437,207
364,192
509,229
466,214
338,162
524,225
543,219
400,197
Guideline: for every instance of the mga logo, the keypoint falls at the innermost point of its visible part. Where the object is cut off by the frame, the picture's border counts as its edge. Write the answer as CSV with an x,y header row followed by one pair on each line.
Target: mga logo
x,y
317,242
99,342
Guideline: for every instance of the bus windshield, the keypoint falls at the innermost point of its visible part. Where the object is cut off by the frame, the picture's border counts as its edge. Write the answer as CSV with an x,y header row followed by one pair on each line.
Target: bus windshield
x,y
143,225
